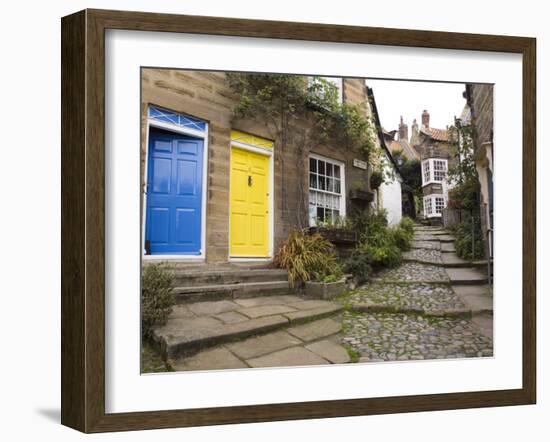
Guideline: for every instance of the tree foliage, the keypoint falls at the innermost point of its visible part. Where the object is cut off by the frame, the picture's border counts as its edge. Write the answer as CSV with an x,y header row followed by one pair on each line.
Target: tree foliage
x,y
463,173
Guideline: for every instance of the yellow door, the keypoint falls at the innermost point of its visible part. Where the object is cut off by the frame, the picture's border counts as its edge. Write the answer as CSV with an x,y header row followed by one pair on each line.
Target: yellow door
x,y
249,196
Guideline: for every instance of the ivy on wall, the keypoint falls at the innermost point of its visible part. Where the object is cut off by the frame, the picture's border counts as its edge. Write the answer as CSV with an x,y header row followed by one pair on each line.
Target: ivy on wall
x,y
303,112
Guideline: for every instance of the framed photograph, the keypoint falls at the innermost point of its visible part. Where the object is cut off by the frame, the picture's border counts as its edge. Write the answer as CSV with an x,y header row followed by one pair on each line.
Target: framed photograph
x,y
269,220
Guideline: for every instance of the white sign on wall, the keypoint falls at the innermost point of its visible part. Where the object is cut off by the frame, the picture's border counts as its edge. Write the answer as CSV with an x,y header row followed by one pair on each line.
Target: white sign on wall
x,y
359,164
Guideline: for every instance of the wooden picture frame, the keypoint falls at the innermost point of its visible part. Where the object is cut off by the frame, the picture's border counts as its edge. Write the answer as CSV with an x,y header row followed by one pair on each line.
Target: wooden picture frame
x,y
83,219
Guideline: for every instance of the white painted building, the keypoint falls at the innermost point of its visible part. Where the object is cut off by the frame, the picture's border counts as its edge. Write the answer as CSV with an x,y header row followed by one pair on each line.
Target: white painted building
x,y
389,193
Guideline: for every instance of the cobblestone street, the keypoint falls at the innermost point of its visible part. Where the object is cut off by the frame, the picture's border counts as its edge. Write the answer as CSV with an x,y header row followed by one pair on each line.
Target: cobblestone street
x,y
422,309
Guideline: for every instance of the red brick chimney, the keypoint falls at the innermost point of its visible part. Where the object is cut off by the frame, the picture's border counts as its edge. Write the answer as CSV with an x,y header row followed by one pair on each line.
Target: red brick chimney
x,y
403,130
425,118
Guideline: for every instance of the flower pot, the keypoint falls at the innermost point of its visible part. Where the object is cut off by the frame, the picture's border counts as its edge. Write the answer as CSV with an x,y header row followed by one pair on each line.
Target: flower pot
x,y
325,290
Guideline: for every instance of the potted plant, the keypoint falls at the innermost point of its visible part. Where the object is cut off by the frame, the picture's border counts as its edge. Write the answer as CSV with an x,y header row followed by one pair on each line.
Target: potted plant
x,y
376,179
329,287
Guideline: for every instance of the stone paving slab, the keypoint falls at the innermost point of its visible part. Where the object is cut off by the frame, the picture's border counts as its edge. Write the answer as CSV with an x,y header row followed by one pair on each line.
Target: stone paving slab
x,y
184,336
213,359
435,245
316,329
451,258
231,317
267,300
466,276
184,325
261,345
426,237
448,247
446,238
314,313
485,326
210,308
330,351
294,356
181,311
478,303
265,310
310,304
467,290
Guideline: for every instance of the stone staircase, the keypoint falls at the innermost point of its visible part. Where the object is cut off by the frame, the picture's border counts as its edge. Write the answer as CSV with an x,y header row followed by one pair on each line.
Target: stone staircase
x,y
468,279
230,283
254,306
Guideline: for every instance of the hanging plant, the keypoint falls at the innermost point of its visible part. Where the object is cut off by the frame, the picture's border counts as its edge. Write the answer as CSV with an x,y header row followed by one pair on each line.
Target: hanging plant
x,y
376,179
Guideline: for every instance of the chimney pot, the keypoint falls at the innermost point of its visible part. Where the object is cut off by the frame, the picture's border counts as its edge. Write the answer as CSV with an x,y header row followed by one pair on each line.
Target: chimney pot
x,y
425,118
403,130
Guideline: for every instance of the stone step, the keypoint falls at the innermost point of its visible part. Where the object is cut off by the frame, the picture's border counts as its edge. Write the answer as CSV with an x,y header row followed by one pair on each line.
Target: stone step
x,y
175,265
452,261
477,298
187,336
200,278
446,238
315,343
448,247
466,276
215,292
433,245
425,237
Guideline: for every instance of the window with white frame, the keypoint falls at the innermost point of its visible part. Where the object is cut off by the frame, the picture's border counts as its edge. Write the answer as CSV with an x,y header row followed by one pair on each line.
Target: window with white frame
x,y
427,206
326,190
440,170
433,205
337,82
426,171
434,170
439,204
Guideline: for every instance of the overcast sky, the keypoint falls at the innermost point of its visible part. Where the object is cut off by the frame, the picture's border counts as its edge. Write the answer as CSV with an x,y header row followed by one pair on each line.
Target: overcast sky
x,y
394,98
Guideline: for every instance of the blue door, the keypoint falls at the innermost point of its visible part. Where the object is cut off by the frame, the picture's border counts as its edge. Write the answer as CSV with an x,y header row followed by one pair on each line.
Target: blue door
x,y
174,194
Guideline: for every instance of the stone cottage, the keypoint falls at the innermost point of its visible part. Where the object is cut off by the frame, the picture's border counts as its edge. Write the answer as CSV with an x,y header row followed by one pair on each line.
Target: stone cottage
x,y
218,189
434,148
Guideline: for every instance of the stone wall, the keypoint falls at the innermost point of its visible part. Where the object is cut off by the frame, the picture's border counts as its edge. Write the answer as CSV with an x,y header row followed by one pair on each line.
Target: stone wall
x,y
206,95
480,101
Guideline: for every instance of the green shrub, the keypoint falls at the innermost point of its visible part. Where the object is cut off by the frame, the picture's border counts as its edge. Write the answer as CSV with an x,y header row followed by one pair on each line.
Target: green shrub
x,y
402,238
407,224
335,276
157,299
376,179
359,265
463,241
388,255
307,257
373,228
379,245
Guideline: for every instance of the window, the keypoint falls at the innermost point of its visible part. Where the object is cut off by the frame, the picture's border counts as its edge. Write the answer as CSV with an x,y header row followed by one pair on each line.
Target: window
x,y
433,171
440,170
426,175
336,81
427,206
439,204
326,190
433,205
